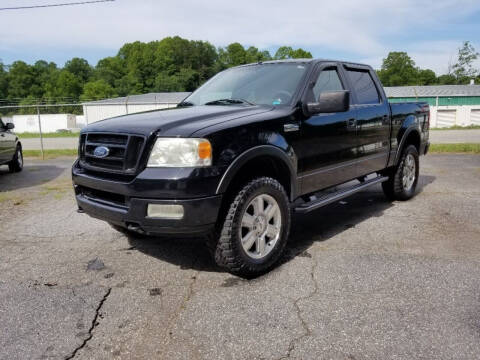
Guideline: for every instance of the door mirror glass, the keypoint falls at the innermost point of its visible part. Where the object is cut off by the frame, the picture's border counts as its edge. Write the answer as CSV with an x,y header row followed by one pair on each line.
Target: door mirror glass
x,y
9,126
330,102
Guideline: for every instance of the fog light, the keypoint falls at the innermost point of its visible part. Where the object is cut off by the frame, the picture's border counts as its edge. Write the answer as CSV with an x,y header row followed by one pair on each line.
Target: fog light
x,y
164,211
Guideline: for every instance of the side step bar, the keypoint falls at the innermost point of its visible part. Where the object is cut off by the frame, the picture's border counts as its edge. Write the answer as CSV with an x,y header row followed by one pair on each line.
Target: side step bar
x,y
333,197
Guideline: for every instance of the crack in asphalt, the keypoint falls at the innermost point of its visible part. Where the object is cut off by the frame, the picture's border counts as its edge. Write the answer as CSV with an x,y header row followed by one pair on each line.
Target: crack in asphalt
x,y
92,327
307,331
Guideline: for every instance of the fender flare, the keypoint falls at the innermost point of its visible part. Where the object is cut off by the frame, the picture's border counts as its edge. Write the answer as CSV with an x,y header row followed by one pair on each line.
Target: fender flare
x,y
261,150
412,127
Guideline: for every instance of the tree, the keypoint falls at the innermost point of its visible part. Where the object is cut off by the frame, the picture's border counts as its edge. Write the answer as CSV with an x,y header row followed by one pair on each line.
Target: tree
x,y
80,68
398,69
21,77
3,82
426,77
64,87
97,90
233,55
463,69
287,52
446,79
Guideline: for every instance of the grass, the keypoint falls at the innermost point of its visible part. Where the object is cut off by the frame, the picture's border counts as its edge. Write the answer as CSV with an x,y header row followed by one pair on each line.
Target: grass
x,y
29,135
455,148
51,153
457,127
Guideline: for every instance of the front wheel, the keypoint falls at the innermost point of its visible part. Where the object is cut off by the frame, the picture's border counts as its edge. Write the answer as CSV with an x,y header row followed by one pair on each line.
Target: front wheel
x,y
256,228
16,164
403,179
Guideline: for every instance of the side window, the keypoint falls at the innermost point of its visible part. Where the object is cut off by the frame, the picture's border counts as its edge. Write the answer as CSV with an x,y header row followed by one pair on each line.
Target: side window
x,y
2,125
364,87
327,80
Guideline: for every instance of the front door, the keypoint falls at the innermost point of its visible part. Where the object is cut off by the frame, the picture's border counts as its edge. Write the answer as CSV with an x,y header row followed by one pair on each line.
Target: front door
x,y
327,150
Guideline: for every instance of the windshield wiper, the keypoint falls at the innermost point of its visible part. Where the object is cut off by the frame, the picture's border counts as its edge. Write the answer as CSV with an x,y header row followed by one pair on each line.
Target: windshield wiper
x,y
228,101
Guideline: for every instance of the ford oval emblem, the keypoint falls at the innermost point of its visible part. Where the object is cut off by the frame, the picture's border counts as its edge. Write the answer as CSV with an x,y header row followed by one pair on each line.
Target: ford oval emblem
x,y
101,151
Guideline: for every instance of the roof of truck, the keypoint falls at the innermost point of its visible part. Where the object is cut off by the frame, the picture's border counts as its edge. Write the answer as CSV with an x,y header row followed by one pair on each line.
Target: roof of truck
x,y
304,60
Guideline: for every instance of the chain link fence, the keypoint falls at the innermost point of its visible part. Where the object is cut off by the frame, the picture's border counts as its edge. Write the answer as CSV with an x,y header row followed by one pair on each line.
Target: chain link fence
x,y
37,124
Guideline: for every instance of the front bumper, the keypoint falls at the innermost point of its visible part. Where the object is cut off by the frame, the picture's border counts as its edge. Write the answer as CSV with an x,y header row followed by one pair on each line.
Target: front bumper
x,y
125,203
199,217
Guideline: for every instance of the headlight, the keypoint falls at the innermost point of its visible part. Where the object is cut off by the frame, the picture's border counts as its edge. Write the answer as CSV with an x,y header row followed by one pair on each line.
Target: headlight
x,y
180,152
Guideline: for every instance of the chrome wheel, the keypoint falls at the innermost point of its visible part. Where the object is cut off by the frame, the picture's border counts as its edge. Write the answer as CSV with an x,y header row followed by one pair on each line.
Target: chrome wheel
x,y
260,227
408,172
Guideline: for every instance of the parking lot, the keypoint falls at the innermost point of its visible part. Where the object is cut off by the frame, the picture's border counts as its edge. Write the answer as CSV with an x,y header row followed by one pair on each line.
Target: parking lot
x,y
363,279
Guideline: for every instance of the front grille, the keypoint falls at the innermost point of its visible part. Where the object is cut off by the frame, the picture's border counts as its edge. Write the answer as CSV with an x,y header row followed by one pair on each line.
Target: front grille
x,y
124,152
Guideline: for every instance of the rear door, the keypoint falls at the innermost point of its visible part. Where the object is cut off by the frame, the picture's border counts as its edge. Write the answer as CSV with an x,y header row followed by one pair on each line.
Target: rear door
x,y
373,119
326,152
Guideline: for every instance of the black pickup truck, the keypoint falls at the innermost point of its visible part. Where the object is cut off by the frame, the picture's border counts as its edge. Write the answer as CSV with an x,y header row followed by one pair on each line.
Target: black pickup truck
x,y
249,147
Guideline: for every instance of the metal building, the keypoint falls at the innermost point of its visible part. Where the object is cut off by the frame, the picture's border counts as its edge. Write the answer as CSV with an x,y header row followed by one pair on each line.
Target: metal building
x,y
103,109
450,105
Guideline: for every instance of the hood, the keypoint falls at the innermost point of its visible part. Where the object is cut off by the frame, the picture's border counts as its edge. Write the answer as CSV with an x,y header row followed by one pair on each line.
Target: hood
x,y
182,121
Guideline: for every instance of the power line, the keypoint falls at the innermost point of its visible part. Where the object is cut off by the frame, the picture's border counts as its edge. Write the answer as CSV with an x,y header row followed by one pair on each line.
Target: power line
x,y
55,5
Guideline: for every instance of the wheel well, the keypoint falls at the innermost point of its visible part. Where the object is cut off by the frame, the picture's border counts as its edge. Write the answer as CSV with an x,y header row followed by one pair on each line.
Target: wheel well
x,y
261,166
413,138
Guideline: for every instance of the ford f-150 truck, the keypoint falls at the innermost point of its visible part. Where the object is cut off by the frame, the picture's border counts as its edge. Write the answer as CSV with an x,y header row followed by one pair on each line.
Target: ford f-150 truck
x,y
252,145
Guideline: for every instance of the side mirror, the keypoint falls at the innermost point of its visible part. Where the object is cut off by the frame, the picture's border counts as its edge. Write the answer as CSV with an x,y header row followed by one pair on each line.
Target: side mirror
x,y
330,102
9,126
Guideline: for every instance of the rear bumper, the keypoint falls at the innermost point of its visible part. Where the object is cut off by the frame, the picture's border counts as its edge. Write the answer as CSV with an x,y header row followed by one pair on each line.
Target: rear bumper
x,y
199,217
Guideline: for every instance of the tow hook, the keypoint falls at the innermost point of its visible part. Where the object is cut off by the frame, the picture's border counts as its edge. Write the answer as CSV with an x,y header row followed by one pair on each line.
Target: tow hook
x,y
135,228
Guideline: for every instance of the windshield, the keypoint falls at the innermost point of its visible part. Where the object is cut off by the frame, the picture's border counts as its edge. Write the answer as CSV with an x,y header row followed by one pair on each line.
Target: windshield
x,y
262,84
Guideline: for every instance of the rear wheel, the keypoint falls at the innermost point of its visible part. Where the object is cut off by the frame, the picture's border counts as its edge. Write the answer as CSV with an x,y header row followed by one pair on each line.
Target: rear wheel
x,y
403,179
16,164
255,231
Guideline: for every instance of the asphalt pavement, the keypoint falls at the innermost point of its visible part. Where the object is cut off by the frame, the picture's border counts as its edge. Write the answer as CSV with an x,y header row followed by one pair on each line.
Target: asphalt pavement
x,y
364,278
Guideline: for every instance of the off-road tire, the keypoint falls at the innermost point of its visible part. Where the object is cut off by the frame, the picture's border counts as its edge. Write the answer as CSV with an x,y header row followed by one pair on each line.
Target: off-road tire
x,y
225,243
16,164
393,188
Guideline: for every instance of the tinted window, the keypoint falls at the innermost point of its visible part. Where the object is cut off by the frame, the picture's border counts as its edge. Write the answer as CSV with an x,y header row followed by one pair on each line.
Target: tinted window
x,y
327,80
364,87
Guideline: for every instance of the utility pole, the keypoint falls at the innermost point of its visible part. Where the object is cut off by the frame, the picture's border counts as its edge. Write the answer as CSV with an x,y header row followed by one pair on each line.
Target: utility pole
x,y
40,129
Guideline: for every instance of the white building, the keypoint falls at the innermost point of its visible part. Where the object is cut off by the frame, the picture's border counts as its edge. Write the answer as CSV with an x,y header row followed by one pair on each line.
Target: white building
x,y
449,104
49,123
102,109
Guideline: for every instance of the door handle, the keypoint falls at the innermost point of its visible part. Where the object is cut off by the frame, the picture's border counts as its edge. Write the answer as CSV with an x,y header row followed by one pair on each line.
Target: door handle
x,y
352,122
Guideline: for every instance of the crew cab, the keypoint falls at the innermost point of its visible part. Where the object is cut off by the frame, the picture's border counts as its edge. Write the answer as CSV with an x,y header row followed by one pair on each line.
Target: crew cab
x,y
245,150
10,148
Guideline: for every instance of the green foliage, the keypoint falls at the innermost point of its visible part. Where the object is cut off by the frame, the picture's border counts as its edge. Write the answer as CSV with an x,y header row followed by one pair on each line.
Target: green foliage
x,y
3,81
286,52
177,64
80,68
446,80
398,69
463,69
96,90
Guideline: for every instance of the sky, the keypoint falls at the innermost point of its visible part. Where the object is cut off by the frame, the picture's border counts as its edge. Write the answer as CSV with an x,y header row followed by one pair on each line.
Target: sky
x,y
363,31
